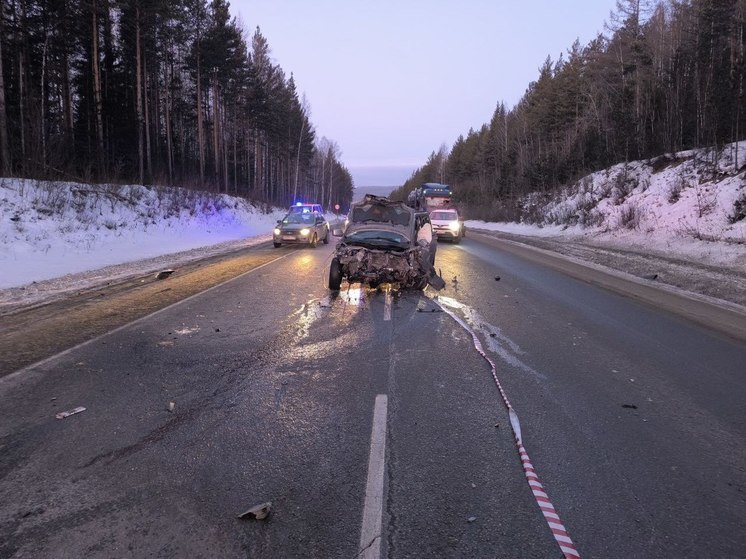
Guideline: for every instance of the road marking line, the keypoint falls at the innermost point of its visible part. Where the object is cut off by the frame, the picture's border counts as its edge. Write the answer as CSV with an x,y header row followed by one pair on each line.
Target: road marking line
x,y
370,533
387,305
29,368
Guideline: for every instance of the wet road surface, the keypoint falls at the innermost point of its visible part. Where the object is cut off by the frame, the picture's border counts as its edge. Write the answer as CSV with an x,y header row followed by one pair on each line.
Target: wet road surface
x,y
633,419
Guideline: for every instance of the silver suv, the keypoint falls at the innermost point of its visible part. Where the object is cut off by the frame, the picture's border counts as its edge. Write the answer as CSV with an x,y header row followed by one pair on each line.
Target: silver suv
x,y
385,242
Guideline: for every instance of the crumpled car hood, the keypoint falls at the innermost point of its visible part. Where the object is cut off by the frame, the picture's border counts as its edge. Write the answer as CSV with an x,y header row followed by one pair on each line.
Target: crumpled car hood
x,y
408,268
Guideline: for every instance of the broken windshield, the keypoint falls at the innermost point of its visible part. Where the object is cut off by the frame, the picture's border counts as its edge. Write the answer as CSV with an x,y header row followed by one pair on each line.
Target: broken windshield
x,y
378,239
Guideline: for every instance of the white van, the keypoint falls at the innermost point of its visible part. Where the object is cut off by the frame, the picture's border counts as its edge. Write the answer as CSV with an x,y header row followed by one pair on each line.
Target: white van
x,y
447,224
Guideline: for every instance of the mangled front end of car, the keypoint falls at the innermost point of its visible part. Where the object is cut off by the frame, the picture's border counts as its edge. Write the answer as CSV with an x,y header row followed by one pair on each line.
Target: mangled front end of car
x,y
409,268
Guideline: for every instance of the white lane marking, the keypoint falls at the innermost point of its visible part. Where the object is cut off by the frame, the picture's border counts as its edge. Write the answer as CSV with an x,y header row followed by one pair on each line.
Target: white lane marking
x,y
387,305
370,533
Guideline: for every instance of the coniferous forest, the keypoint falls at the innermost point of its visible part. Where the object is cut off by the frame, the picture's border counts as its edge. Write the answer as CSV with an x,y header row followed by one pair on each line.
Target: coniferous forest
x,y
163,92
665,76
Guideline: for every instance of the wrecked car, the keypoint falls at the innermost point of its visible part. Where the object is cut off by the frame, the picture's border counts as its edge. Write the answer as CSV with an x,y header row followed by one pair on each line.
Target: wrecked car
x,y
385,242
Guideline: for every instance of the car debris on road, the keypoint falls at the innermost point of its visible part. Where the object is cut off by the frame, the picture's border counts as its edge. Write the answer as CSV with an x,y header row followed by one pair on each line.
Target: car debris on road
x,y
259,512
64,414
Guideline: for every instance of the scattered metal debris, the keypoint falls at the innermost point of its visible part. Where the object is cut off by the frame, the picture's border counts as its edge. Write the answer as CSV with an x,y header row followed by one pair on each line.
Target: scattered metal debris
x,y
163,274
64,414
472,518
259,512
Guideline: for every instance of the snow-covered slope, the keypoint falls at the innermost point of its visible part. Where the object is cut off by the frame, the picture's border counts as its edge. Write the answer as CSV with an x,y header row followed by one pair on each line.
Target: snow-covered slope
x,y
49,229
697,194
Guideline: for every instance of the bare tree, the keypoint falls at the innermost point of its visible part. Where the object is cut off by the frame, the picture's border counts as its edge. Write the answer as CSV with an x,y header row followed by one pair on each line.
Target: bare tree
x,y
4,144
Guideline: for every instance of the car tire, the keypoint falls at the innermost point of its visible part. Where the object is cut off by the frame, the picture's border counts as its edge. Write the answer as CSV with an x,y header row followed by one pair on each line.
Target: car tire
x,y
314,241
277,245
335,275
457,239
326,237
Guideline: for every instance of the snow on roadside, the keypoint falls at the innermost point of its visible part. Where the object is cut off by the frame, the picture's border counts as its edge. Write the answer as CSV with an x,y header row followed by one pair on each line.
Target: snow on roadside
x,y
685,205
52,229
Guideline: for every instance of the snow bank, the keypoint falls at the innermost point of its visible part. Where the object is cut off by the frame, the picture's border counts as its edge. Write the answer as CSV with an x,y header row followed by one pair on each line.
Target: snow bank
x,y
49,229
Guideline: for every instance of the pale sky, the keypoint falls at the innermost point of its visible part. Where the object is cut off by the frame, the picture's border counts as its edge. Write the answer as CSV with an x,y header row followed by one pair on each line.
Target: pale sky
x,y
390,81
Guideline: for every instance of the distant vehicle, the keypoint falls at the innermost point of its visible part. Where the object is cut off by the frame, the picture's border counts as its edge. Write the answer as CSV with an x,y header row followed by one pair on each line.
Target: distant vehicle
x,y
306,228
385,242
301,208
430,196
448,225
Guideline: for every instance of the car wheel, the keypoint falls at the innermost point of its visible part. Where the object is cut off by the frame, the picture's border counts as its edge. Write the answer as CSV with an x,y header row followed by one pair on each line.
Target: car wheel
x,y
335,275
314,241
457,239
277,245
326,237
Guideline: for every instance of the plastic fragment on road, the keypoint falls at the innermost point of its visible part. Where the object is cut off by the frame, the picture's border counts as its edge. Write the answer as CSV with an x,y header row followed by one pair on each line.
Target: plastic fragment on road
x,y
68,413
472,518
259,512
171,406
163,274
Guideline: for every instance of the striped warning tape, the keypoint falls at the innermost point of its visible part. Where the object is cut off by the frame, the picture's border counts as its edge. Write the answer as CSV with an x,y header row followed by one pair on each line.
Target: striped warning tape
x,y
542,499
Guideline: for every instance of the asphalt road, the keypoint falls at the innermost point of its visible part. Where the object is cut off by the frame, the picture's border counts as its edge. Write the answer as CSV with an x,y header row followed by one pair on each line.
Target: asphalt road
x,y
633,418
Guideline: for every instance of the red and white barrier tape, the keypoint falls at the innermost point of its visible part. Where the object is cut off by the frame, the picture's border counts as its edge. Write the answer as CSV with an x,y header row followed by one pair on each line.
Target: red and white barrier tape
x,y
542,499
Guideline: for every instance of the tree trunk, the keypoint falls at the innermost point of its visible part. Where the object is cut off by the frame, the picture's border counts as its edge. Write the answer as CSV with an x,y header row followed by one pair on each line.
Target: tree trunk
x,y
138,97
43,115
21,109
200,125
216,131
96,71
167,121
5,164
146,111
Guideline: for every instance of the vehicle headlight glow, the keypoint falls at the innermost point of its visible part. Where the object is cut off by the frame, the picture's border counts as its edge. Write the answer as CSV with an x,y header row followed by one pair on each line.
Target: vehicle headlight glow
x,y
277,231
305,232
454,226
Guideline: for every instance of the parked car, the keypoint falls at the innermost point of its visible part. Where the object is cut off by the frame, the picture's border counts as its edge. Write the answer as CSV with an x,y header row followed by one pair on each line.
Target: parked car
x,y
385,242
447,225
301,228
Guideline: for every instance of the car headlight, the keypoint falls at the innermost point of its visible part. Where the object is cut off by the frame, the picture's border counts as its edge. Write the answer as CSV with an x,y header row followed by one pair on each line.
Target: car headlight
x,y
454,226
305,232
277,231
